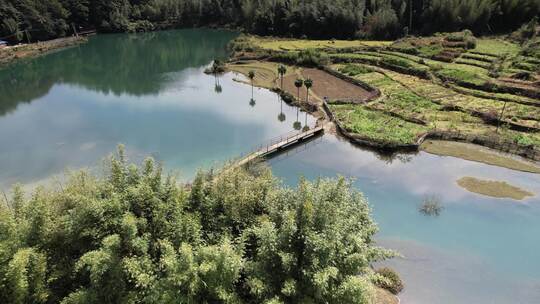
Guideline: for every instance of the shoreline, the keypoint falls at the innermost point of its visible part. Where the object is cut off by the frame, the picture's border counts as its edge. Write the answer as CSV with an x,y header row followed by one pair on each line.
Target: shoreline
x,y
497,144
12,54
325,116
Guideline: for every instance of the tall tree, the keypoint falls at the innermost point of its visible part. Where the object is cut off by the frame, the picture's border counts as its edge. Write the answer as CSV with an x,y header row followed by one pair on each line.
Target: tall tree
x,y
298,83
251,76
308,83
282,70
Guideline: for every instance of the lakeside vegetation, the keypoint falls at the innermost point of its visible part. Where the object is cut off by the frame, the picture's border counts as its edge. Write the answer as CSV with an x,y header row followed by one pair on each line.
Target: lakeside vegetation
x,y
450,85
136,236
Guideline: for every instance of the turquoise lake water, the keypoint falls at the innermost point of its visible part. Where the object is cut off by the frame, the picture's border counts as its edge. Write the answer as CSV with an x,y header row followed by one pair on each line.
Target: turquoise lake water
x,y
148,91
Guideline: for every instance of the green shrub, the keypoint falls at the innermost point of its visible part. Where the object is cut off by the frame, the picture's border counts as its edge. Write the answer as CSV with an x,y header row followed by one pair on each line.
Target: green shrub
x,y
391,280
461,75
431,205
523,140
455,37
308,57
289,57
430,50
470,43
312,57
354,69
397,62
532,48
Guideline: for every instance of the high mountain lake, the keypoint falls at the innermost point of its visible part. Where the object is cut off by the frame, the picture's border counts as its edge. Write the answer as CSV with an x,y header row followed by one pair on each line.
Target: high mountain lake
x,y
71,108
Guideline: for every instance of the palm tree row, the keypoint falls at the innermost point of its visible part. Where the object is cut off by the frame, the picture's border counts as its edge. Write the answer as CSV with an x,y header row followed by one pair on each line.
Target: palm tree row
x,y
298,83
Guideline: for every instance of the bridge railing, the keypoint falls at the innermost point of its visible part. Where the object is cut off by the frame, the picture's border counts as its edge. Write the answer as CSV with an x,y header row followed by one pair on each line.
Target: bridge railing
x,y
268,144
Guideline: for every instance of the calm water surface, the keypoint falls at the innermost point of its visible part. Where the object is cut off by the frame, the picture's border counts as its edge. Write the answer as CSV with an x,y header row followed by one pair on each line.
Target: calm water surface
x,y
147,91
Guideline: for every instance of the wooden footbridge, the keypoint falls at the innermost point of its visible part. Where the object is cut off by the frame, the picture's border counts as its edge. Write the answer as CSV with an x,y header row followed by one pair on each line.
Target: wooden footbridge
x,y
276,145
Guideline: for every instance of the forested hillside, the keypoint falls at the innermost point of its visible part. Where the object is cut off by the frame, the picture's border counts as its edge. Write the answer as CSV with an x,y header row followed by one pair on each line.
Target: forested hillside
x,y
312,18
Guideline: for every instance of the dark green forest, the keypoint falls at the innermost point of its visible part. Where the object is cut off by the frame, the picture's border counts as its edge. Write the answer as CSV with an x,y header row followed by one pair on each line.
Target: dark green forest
x,y
310,18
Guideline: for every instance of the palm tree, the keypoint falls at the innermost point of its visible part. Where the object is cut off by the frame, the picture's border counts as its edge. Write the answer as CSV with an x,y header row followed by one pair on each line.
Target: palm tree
x,y
282,70
217,88
281,116
308,83
297,125
251,76
216,69
306,128
298,83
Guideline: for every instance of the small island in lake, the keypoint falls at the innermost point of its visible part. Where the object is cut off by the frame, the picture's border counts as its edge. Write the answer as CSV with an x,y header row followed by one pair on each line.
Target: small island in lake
x,y
496,189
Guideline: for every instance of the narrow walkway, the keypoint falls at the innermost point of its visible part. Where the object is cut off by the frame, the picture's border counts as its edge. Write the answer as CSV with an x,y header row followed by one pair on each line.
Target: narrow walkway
x,y
277,145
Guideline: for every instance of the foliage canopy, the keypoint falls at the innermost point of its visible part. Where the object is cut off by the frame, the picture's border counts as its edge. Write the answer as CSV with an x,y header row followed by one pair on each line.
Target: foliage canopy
x,y
137,236
312,18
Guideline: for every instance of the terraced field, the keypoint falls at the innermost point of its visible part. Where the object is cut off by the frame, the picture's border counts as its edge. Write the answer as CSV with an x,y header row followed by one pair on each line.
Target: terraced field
x,y
447,83
301,44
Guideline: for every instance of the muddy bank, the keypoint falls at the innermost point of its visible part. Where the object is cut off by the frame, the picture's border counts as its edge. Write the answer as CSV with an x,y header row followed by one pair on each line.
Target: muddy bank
x,y
478,154
13,53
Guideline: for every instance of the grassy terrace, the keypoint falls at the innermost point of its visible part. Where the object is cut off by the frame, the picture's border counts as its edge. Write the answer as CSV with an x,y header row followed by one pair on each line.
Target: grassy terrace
x,y
448,82
516,112
496,48
301,44
377,126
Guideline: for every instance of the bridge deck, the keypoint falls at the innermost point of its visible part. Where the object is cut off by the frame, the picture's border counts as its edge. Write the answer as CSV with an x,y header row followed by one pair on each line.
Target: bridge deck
x,y
274,147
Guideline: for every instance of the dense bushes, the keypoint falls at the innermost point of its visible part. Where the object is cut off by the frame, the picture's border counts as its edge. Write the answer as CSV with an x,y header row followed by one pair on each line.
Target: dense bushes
x,y
307,57
390,280
310,18
354,69
136,236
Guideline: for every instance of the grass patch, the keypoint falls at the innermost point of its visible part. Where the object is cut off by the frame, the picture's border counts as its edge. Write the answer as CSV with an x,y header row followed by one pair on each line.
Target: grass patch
x,y
496,47
353,69
461,75
495,189
474,62
479,57
430,51
502,96
521,113
307,57
399,99
376,125
300,44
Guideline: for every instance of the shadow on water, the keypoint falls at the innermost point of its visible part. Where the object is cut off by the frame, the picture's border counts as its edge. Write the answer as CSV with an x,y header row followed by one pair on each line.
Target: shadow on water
x,y
136,64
